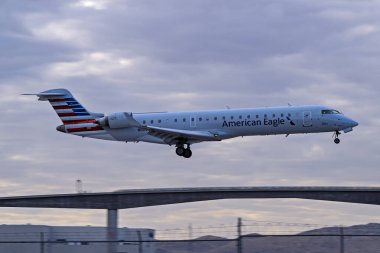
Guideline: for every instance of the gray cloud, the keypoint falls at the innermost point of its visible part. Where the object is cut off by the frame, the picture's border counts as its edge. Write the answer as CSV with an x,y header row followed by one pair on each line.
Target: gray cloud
x,y
188,55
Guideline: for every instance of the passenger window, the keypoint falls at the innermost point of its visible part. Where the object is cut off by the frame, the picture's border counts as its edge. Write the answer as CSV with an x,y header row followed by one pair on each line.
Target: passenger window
x,y
184,120
289,114
159,121
248,116
224,117
175,120
282,115
192,119
232,117
265,116
144,122
257,116
151,122
274,115
200,119
215,118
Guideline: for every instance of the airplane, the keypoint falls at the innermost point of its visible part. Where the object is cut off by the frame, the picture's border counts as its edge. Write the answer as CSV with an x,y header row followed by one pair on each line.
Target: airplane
x,y
182,129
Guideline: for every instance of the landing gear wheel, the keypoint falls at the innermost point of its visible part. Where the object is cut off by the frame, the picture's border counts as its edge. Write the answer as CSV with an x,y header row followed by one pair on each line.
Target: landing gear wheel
x,y
180,151
187,153
336,135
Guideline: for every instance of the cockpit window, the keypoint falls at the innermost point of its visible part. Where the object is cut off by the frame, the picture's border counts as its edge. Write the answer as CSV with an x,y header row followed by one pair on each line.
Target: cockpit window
x,y
330,112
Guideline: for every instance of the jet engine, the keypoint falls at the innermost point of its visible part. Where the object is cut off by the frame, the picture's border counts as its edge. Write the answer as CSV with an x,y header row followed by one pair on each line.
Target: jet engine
x,y
118,120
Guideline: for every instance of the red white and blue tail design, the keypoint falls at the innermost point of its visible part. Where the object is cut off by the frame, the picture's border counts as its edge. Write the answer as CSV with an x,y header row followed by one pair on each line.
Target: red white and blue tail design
x,y
74,116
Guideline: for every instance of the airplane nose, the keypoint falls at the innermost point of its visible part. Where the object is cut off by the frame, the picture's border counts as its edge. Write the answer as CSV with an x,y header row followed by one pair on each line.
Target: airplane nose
x,y
354,123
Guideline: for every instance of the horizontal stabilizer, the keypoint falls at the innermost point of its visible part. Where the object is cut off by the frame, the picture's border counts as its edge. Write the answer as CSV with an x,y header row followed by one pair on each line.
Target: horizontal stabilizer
x,y
44,94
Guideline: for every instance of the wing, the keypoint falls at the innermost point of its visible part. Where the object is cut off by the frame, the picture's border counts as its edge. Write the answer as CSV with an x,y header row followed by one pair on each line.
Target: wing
x,y
173,136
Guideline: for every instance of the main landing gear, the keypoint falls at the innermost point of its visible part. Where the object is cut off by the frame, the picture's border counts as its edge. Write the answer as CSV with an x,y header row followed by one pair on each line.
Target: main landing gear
x,y
182,151
336,137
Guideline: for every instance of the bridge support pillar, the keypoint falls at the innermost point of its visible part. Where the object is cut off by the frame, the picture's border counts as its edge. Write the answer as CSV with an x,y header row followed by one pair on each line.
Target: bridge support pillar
x,y
112,231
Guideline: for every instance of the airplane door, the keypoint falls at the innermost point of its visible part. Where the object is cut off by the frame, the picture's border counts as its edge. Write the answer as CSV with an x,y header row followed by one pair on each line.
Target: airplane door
x,y
193,121
307,120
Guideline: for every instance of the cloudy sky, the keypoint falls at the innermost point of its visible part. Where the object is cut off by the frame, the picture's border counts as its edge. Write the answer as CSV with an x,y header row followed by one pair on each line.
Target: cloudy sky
x,y
170,55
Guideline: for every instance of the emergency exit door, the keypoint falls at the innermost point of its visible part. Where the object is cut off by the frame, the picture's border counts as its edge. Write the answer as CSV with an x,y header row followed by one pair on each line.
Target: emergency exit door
x,y
307,119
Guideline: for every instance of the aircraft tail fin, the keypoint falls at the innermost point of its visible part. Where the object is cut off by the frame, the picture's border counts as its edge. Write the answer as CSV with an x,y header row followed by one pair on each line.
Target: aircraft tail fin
x,y
74,116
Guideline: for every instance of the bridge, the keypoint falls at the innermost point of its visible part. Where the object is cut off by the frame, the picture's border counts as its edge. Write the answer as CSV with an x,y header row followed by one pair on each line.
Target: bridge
x,y
125,199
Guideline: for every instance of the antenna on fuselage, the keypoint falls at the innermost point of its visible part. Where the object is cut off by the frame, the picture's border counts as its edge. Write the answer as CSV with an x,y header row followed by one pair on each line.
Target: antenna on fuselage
x,y
228,107
289,104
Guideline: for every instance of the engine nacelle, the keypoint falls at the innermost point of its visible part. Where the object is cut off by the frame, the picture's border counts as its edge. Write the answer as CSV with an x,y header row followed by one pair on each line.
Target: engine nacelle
x,y
118,120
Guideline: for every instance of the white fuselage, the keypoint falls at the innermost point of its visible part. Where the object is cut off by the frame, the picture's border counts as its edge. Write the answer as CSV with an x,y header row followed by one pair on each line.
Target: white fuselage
x,y
230,123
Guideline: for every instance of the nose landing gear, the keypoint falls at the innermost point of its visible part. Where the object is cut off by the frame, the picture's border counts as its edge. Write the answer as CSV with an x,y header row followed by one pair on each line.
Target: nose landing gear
x,y
336,137
182,151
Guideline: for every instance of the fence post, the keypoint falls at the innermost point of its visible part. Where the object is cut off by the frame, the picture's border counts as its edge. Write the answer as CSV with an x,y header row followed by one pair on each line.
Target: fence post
x,y
239,239
140,241
112,231
190,228
341,239
42,242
